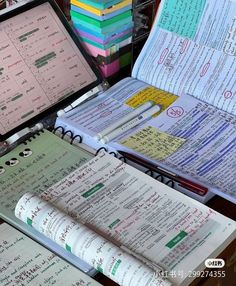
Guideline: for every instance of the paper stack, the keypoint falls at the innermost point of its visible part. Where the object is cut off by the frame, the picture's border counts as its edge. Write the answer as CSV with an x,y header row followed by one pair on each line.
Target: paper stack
x,y
105,29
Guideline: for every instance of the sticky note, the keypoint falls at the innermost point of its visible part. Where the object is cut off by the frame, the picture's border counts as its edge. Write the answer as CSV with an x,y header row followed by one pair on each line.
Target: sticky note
x,y
163,98
154,144
181,16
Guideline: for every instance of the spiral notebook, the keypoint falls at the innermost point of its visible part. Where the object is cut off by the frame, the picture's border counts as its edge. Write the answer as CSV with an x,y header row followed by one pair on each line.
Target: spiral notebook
x,y
43,69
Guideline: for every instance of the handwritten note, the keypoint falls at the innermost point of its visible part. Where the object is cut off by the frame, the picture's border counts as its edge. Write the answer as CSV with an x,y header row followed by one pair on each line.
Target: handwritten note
x,y
36,166
230,42
24,262
163,98
182,16
153,143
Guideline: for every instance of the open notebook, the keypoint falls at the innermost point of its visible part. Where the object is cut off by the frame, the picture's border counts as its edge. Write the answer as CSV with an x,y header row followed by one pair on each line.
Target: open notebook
x,y
187,69
130,227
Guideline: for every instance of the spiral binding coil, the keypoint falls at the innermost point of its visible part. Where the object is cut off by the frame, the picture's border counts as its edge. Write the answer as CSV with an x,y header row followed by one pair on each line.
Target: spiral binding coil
x,y
58,128
122,158
33,136
100,149
73,137
66,133
170,183
149,172
160,178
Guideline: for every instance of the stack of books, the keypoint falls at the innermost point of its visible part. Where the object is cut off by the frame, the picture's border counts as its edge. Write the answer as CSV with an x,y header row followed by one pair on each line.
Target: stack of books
x,y
105,29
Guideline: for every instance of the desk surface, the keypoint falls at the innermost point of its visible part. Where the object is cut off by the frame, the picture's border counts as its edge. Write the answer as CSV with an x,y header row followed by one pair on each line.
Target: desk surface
x,y
229,254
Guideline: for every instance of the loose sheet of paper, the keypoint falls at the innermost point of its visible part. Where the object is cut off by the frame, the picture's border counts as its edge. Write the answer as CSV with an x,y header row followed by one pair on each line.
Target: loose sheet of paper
x,y
137,211
25,262
153,143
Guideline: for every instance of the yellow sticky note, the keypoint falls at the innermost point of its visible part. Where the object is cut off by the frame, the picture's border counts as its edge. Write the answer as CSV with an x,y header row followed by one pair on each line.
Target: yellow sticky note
x,y
163,98
153,143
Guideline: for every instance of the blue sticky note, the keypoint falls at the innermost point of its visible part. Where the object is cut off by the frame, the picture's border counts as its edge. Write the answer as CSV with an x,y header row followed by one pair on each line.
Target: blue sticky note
x,y
181,16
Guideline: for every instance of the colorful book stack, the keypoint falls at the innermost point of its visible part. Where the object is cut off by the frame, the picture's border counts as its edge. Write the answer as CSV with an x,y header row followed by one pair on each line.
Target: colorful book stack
x,y
105,29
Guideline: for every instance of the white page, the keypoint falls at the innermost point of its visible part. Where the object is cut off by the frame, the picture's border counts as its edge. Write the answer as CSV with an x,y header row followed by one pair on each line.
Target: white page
x,y
142,214
24,262
208,154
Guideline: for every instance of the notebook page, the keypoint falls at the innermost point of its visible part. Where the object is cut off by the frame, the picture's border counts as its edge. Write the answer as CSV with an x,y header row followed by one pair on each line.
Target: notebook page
x,y
183,59
208,23
36,166
94,116
144,215
109,107
207,153
24,262
86,244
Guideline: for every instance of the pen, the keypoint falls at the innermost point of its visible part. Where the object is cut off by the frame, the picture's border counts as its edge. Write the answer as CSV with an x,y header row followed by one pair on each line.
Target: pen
x,y
87,96
130,124
184,183
137,111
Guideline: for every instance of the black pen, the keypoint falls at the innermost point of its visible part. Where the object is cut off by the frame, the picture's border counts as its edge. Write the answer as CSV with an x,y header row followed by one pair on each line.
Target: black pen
x,y
183,182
